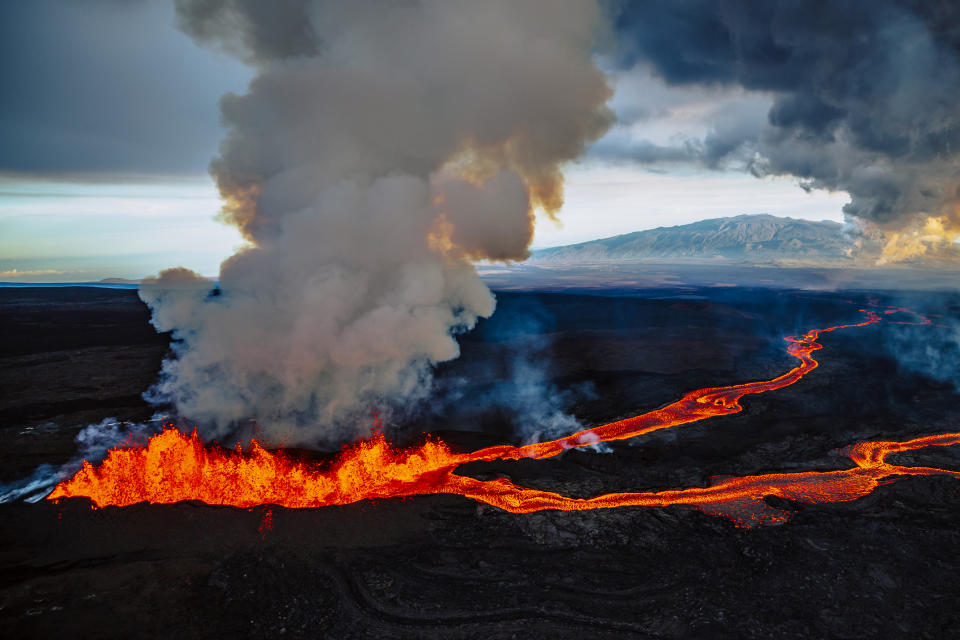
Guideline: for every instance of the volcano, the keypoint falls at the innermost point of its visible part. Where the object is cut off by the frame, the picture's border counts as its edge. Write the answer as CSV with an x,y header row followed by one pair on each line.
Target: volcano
x,y
173,468
816,491
754,239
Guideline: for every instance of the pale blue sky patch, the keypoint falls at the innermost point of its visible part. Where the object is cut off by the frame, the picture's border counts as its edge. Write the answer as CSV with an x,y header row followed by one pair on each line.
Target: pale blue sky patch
x,y
80,232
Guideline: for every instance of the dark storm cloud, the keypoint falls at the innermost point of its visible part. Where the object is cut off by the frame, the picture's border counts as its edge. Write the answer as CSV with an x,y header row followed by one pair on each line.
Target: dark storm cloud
x,y
252,30
866,94
617,147
97,89
733,125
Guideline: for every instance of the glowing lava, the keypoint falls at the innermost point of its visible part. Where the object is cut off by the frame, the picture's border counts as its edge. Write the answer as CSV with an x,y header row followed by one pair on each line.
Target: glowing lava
x,y
174,467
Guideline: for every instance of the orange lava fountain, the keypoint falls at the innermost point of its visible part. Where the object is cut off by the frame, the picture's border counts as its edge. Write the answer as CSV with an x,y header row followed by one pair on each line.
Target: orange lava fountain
x,y
175,467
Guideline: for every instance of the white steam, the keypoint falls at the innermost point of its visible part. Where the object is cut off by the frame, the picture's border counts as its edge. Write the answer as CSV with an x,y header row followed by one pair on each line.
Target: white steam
x,y
380,148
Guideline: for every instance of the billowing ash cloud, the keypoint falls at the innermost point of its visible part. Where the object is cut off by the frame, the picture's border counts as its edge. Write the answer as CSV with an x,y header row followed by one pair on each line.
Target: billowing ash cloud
x,y
380,147
865,94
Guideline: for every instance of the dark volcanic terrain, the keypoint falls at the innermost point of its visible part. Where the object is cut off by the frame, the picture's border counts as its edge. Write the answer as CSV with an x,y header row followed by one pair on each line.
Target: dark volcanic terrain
x,y
69,357
445,567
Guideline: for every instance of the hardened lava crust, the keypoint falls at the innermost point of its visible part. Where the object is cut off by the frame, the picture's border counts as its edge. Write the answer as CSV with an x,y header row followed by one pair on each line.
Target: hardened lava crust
x,y
443,566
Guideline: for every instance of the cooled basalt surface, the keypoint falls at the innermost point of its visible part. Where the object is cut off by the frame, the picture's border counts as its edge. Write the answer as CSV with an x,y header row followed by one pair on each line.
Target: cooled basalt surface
x,y
442,566
69,357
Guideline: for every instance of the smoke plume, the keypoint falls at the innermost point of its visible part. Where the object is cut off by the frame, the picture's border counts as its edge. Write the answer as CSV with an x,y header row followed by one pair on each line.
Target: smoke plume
x,y
379,149
864,99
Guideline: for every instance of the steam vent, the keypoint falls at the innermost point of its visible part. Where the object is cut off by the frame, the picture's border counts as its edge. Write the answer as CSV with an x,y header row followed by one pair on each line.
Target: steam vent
x,y
507,319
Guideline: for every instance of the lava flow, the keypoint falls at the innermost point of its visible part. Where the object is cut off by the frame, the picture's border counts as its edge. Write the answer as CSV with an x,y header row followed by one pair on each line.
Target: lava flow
x,y
174,467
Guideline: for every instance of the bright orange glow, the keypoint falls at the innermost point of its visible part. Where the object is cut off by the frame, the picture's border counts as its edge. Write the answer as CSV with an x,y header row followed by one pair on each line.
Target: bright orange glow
x,y
175,467
918,239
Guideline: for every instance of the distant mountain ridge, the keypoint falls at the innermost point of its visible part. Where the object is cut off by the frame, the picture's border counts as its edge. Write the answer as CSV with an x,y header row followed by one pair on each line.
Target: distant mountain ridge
x,y
759,238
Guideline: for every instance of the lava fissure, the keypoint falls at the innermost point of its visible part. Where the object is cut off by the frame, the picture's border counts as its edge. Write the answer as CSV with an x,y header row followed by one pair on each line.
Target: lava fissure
x,y
174,467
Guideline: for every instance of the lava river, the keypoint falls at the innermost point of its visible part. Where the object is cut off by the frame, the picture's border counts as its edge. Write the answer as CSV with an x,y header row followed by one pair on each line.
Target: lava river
x,y
173,467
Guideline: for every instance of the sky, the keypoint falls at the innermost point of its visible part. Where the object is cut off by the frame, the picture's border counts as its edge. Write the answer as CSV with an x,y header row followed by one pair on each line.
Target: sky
x,y
111,115
86,231
107,127
370,151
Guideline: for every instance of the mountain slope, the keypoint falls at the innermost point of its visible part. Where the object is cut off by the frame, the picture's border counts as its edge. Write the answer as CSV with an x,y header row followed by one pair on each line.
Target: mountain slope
x,y
744,238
